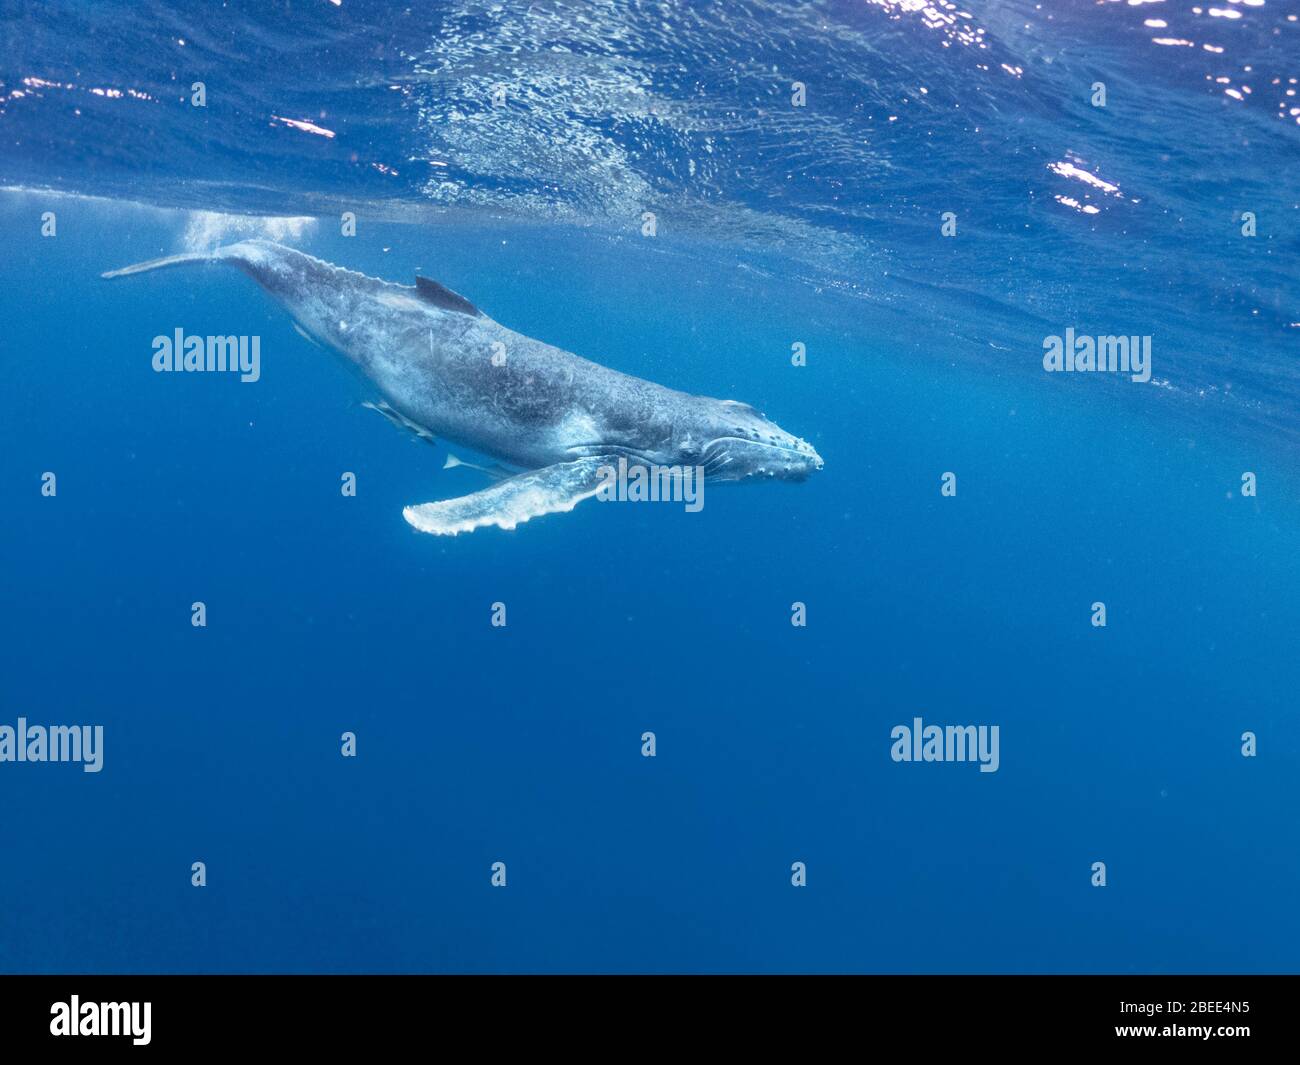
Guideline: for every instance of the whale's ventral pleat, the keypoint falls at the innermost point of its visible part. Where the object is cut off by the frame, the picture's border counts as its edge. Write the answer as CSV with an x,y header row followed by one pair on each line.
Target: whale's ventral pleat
x,y
442,296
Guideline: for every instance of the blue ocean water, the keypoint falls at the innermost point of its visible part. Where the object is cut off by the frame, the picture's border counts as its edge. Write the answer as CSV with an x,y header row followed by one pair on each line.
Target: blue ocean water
x,y
775,225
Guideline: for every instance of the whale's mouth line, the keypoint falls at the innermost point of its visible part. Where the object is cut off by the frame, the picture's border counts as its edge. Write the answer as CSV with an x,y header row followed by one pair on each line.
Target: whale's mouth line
x,y
748,440
713,459
722,442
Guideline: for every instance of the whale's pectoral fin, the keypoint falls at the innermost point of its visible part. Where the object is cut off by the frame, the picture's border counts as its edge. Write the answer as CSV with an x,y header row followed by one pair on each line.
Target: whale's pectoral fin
x,y
402,422
496,471
550,490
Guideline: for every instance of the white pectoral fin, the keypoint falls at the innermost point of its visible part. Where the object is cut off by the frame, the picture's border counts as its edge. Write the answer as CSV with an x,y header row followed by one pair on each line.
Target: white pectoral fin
x,y
550,490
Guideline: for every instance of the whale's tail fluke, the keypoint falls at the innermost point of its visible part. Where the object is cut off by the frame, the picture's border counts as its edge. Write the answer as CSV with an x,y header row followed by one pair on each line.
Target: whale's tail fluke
x,y
166,261
245,253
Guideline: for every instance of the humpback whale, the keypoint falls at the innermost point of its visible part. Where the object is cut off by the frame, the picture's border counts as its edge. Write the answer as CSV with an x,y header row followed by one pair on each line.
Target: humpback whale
x,y
445,369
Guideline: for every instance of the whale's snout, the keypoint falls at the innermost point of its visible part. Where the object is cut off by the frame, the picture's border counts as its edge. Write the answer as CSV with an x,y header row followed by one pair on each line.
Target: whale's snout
x,y
750,447
738,459
813,461
799,463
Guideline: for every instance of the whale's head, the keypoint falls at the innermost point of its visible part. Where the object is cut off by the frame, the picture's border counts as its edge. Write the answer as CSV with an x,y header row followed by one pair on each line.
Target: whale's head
x,y
740,444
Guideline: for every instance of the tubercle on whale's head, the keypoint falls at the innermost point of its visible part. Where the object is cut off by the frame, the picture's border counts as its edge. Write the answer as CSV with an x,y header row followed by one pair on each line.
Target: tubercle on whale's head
x,y
741,444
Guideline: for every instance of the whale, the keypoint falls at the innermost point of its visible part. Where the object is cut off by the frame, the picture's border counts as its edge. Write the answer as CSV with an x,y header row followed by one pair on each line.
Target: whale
x,y
554,422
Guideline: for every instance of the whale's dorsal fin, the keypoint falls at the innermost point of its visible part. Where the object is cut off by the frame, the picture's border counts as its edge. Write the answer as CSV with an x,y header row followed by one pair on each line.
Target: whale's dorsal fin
x,y
442,296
